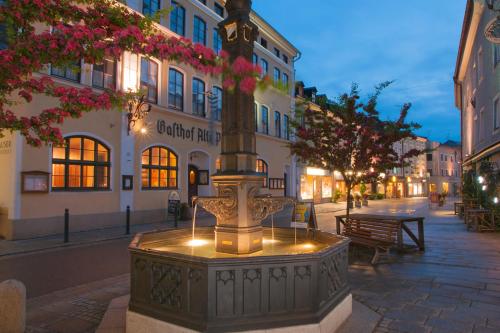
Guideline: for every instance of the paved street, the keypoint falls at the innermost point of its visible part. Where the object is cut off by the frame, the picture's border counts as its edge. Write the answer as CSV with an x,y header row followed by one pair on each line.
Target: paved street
x,y
453,287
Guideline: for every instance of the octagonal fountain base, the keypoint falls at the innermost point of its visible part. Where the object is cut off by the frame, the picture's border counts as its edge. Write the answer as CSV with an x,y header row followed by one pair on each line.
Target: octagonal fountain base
x,y
297,282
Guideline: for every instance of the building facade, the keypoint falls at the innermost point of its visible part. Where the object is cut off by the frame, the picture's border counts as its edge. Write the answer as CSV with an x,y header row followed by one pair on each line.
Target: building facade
x,y
477,87
409,180
103,168
444,167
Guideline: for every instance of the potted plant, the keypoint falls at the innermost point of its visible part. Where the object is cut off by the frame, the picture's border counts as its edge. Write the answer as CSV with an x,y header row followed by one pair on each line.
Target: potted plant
x,y
336,196
358,200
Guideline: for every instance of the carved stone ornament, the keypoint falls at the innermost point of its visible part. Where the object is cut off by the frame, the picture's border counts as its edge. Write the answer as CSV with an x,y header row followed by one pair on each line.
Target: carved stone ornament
x,y
492,31
262,207
224,207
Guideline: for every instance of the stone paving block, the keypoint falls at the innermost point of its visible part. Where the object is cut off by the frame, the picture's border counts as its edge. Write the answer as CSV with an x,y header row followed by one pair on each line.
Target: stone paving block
x,y
481,329
482,298
406,316
492,286
402,326
443,324
463,315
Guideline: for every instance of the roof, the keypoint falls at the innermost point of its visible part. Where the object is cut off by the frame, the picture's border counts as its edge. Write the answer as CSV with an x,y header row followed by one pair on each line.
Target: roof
x,y
463,37
451,143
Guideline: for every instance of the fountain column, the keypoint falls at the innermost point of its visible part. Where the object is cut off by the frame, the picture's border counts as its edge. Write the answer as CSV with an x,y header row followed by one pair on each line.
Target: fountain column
x,y
237,230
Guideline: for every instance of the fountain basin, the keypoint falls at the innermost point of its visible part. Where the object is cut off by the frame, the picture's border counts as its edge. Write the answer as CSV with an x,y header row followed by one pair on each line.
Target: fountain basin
x,y
297,279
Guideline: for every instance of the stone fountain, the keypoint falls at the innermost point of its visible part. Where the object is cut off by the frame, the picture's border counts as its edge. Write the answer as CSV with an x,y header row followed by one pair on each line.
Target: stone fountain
x,y
238,276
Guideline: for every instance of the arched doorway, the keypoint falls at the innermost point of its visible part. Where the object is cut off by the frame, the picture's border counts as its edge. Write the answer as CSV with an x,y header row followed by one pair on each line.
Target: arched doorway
x,y
198,175
193,180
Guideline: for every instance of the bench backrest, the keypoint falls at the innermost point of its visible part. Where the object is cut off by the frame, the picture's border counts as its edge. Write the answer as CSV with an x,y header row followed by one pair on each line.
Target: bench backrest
x,y
382,230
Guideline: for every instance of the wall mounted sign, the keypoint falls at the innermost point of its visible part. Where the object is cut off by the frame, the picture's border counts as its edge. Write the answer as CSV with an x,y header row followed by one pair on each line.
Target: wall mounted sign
x,y
203,178
194,134
34,182
127,182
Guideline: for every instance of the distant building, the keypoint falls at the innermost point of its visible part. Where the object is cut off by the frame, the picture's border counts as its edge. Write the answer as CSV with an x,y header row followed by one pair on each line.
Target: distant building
x,y
444,167
477,87
409,180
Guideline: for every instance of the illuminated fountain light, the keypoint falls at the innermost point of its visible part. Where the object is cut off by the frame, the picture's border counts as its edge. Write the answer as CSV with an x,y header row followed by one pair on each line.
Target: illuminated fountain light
x,y
197,242
269,241
308,246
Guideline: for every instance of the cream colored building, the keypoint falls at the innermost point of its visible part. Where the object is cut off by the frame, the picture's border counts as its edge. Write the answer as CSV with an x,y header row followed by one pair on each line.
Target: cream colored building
x,y
477,87
444,166
103,169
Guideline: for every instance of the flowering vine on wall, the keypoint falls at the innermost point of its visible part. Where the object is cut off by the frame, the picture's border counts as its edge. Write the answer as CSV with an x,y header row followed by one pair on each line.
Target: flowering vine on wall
x,y
90,30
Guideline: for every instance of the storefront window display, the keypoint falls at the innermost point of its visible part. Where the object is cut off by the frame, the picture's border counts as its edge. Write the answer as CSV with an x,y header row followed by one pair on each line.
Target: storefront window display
x,y
327,186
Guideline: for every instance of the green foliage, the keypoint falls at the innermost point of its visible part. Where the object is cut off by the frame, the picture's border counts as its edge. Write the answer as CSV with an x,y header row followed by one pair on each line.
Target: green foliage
x,y
362,188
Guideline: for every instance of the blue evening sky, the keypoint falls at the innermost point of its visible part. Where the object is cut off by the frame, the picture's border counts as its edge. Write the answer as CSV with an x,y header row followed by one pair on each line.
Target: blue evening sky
x,y
414,43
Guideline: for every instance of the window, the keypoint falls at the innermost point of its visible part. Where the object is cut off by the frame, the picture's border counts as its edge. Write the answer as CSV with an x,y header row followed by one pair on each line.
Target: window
x,y
150,7
285,59
216,101
218,9
178,19
71,72
175,89
82,163
277,52
256,113
496,113
286,80
198,98
263,42
429,171
277,124
442,157
496,55
265,67
200,31
255,59
217,40
104,75
429,157
3,35
264,118
261,167
203,2
286,127
159,169
149,79
277,75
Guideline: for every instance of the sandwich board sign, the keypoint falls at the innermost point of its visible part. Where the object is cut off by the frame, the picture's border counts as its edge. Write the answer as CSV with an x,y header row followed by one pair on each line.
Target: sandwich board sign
x,y
304,216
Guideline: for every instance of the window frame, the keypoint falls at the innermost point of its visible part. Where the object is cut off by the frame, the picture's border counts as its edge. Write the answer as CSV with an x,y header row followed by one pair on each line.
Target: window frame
x,y
106,59
148,85
174,19
159,167
218,114
265,67
174,73
150,13
265,124
216,41
496,113
194,107
196,32
265,171
286,127
276,75
81,162
277,124
219,9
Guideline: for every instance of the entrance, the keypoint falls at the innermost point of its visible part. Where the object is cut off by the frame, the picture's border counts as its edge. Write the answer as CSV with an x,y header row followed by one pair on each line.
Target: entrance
x,y
193,176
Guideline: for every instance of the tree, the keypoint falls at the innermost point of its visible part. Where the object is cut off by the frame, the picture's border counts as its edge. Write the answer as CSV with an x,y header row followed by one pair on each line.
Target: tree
x,y
90,30
349,137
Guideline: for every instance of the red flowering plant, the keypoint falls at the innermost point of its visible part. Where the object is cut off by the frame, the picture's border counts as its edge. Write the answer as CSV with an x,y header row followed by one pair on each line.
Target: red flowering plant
x,y
63,32
347,136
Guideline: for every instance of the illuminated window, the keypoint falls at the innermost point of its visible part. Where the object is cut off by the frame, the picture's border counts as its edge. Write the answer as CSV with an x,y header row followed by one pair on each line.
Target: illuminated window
x,y
199,98
261,167
149,79
178,19
82,163
218,165
199,31
159,169
175,89
103,75
150,7
217,40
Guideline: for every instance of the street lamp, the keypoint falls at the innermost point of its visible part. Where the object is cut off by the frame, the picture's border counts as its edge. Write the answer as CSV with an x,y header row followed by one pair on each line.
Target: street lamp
x,y
138,109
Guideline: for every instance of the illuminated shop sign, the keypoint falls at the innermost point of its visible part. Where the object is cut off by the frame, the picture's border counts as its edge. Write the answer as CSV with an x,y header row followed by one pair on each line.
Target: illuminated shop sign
x,y
193,133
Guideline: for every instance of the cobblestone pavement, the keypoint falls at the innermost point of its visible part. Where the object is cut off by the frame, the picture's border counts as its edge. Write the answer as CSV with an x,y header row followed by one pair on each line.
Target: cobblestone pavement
x,y
453,287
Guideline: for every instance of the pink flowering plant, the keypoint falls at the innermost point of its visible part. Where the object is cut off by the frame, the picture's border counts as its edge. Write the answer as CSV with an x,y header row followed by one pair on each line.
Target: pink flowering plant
x,y
63,32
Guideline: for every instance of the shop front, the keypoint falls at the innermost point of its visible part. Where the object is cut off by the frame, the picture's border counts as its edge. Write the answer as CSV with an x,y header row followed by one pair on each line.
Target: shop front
x,y
316,185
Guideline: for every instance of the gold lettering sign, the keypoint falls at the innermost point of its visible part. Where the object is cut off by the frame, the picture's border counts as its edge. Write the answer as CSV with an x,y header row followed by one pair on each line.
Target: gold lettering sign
x,y
231,31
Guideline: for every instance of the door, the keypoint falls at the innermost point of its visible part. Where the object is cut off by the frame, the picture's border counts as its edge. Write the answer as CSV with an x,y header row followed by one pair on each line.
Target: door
x,y
192,182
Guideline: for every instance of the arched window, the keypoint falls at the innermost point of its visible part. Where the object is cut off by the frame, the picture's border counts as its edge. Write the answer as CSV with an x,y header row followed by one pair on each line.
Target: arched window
x,y
159,169
261,167
218,165
82,163
177,19
199,98
176,89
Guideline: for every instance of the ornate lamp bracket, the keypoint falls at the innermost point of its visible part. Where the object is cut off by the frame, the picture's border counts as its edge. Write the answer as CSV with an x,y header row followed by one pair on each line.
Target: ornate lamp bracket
x,y
138,109
492,30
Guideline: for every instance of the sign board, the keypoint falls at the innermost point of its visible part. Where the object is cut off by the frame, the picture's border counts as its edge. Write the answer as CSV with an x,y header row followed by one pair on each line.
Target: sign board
x,y
174,202
304,216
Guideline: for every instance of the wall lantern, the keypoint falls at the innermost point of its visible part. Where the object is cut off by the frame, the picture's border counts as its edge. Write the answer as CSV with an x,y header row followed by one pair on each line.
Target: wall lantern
x,y
138,109
480,179
492,30
495,200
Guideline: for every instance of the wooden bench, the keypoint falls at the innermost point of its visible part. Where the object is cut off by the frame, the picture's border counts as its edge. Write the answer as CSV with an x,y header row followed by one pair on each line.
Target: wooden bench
x,y
381,235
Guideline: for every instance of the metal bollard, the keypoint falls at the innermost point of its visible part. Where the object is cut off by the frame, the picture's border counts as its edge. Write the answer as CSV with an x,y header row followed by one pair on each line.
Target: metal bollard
x,y
127,232
66,225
